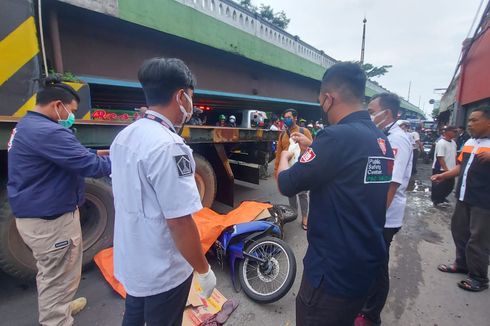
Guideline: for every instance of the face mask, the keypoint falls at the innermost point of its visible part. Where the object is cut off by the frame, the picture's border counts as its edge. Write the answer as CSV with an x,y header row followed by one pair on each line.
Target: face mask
x,y
288,122
373,117
186,115
324,113
69,121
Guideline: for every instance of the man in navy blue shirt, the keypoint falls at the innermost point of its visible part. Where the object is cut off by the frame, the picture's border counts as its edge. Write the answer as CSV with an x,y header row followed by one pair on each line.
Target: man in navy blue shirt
x,y
46,166
347,170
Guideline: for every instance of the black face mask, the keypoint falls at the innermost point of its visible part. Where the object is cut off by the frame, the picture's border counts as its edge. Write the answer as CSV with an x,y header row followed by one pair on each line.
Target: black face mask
x,y
324,115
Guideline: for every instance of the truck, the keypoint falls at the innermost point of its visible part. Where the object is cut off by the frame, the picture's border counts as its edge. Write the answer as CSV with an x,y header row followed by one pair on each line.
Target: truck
x,y
29,50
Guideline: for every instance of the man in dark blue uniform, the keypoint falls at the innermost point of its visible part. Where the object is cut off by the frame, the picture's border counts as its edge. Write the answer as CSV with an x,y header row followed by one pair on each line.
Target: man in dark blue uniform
x,y
46,167
347,170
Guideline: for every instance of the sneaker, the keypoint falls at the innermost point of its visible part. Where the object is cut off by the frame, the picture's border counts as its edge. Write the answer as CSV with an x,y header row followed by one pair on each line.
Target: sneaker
x,y
77,305
362,320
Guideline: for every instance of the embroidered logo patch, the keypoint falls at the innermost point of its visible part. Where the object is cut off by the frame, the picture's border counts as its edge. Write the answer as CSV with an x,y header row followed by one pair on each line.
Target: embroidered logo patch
x,y
184,166
382,145
308,156
395,151
61,244
378,169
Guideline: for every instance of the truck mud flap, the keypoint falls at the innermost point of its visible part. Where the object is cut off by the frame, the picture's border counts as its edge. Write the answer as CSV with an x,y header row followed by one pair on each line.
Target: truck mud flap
x,y
248,172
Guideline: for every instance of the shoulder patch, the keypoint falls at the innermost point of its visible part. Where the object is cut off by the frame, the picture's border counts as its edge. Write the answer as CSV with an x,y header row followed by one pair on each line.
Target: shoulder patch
x,y
308,156
379,169
11,139
382,145
184,166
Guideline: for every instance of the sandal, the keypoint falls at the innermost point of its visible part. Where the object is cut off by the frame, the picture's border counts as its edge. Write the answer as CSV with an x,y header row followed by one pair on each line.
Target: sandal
x,y
472,285
304,226
452,269
226,310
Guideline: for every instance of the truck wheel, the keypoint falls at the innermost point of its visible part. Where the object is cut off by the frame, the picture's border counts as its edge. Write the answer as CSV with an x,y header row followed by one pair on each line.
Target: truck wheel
x,y
205,180
96,219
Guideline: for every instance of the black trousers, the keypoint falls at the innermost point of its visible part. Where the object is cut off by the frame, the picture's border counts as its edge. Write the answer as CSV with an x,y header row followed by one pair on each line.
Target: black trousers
x,y
164,309
314,307
414,160
442,189
470,227
379,292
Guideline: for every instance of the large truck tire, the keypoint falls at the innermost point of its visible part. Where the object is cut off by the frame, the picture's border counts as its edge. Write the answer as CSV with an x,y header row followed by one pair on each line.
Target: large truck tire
x,y
96,219
205,180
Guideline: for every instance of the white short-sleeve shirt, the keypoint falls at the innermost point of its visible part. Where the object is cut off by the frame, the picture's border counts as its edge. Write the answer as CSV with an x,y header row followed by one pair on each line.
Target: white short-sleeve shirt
x,y
402,170
415,137
448,150
153,181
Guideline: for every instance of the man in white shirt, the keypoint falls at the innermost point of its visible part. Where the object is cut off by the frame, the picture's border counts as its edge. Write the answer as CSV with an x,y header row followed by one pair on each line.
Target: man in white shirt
x,y
383,109
444,160
156,243
417,149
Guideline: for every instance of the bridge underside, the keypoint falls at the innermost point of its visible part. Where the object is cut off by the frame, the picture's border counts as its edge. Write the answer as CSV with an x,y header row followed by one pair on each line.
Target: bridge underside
x,y
115,49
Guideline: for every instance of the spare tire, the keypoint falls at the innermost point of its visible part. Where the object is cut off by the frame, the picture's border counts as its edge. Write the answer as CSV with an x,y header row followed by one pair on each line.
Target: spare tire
x,y
96,219
205,180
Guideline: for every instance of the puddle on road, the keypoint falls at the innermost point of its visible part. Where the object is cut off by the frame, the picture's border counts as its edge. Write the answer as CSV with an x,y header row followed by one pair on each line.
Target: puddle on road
x,y
419,186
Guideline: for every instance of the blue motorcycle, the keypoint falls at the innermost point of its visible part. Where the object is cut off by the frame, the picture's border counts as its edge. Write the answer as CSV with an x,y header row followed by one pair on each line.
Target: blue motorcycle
x,y
261,263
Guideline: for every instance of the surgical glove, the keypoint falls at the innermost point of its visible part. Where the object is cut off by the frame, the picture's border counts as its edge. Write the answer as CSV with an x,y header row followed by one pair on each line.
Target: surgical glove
x,y
207,282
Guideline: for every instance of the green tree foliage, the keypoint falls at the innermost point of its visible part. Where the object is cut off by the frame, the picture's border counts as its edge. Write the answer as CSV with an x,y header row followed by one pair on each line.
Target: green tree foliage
x,y
278,19
435,113
247,4
372,71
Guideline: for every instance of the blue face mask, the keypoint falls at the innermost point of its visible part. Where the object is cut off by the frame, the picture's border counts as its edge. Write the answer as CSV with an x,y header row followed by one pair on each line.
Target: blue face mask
x,y
288,122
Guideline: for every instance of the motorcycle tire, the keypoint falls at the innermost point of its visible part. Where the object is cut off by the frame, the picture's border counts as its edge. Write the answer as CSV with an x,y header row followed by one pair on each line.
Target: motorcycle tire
x,y
249,269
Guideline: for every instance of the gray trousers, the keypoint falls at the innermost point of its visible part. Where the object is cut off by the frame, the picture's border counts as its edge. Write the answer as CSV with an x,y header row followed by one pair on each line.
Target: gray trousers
x,y
470,227
304,202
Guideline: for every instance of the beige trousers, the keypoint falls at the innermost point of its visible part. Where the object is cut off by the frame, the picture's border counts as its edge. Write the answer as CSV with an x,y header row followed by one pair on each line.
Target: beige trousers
x,y
57,249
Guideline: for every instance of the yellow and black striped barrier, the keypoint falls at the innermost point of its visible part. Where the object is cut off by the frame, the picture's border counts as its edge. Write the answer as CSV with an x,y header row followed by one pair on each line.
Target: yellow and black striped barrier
x,y
20,62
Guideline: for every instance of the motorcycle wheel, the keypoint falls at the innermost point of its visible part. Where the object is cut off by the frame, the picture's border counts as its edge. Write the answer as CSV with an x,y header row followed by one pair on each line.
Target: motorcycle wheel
x,y
270,281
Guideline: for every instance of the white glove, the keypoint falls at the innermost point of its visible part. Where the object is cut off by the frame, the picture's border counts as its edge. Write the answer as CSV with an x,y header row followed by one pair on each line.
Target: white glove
x,y
207,282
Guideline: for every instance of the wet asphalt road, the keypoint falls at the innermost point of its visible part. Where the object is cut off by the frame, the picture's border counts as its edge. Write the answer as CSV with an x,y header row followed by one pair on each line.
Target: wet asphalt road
x,y
420,295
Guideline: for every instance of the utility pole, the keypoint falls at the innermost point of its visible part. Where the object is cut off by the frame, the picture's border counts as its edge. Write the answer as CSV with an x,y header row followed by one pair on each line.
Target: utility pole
x,y
363,40
409,87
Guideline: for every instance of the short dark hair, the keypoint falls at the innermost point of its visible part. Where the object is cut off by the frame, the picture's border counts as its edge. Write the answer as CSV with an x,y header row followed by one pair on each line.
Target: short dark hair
x,y
449,128
293,112
347,78
53,89
389,101
483,109
161,77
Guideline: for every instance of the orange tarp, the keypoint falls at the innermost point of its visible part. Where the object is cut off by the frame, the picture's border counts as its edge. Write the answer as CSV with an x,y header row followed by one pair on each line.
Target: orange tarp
x,y
105,261
210,225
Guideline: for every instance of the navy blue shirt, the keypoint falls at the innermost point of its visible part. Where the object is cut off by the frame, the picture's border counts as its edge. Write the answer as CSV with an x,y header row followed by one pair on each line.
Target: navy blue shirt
x,y
348,171
46,166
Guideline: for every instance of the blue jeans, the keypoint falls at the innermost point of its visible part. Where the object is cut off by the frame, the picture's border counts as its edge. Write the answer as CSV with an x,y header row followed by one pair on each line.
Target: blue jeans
x,y
162,309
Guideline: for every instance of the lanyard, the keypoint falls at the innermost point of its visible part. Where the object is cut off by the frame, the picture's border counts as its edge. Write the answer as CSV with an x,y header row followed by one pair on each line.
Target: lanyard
x,y
159,120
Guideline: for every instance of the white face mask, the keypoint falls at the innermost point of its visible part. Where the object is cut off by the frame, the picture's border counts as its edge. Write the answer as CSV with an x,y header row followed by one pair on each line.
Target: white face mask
x,y
186,114
373,117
